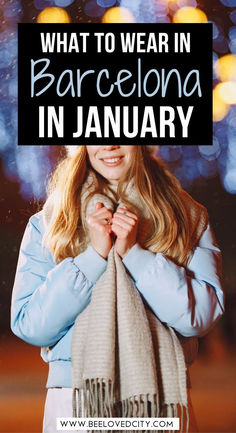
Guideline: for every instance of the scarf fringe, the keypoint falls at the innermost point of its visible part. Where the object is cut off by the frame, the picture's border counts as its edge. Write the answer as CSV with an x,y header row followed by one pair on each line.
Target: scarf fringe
x,y
96,400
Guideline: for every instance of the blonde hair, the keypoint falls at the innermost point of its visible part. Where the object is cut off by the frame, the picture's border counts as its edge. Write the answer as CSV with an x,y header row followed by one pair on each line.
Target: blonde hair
x,y
157,188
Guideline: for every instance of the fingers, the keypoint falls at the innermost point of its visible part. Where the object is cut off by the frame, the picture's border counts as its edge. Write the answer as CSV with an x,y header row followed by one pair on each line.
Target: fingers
x,y
125,224
119,231
126,213
122,230
100,212
100,209
99,224
124,217
100,217
123,221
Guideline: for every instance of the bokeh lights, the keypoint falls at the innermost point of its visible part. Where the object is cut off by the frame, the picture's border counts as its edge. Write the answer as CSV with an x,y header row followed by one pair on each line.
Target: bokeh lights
x,y
118,15
53,15
31,165
189,14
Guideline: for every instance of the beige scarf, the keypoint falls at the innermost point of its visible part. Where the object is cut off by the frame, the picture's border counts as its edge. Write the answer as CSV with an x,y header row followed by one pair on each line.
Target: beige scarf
x,y
125,362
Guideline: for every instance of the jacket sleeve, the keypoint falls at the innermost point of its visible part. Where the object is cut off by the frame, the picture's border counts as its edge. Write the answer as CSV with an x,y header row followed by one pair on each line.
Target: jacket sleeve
x,y
190,299
47,297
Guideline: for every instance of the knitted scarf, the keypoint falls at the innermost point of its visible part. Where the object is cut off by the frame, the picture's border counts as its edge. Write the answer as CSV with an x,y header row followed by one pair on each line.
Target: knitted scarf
x,y
125,361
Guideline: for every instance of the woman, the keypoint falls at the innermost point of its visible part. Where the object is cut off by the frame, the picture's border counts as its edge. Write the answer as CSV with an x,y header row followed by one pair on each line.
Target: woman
x,y
114,206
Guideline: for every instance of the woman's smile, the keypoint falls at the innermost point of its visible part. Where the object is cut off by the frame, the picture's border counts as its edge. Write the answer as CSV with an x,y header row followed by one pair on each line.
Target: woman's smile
x,y
112,162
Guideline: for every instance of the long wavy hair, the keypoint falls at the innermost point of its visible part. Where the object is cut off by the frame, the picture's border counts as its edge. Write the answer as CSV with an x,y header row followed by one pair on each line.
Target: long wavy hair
x,y
157,189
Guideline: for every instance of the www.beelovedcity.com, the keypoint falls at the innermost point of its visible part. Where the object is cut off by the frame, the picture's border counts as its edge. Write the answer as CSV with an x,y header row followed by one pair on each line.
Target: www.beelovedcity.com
x,y
117,423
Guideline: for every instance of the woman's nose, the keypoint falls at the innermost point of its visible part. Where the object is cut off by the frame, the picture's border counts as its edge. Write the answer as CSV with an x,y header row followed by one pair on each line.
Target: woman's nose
x,y
111,147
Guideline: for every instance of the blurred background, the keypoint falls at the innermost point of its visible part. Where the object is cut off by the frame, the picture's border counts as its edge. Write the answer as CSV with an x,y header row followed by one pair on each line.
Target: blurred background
x,y
207,172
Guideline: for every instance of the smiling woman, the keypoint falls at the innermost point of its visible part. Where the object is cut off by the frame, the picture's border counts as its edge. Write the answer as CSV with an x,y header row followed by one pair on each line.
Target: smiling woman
x,y
117,276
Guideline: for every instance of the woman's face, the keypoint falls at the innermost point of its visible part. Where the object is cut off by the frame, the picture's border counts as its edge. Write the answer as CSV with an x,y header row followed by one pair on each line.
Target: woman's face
x,y
110,161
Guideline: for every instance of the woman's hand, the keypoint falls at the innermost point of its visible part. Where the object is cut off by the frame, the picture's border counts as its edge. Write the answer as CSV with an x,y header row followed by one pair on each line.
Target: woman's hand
x,y
124,226
100,229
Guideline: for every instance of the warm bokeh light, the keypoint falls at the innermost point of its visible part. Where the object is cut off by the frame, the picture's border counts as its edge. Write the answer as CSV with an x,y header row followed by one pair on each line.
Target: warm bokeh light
x,y
189,14
225,67
220,108
118,15
53,15
227,92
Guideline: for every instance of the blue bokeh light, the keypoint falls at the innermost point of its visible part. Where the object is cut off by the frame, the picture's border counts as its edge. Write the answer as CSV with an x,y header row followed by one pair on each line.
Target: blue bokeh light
x,y
233,16
220,131
42,4
231,118
229,3
93,10
12,10
171,153
230,181
232,32
215,30
220,44
12,88
232,39
232,46
106,3
153,12
210,152
187,172
33,165
63,3
207,168
232,151
214,59
4,136
182,3
8,49
5,60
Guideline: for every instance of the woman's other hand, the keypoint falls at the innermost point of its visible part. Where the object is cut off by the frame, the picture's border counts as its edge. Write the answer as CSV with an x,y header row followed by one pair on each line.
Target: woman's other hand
x,y
124,226
99,225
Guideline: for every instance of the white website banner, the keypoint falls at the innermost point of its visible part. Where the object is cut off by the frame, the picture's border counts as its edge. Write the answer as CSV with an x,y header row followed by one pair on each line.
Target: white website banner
x,y
78,424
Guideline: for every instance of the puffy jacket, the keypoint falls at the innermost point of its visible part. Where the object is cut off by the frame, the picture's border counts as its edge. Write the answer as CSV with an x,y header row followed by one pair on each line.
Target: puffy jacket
x,y
47,297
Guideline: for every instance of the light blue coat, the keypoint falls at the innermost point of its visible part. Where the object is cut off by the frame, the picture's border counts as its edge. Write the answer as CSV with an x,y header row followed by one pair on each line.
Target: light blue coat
x,y
47,297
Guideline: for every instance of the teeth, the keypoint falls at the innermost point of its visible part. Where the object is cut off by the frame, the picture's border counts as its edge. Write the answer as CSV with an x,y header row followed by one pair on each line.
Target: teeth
x,y
111,159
